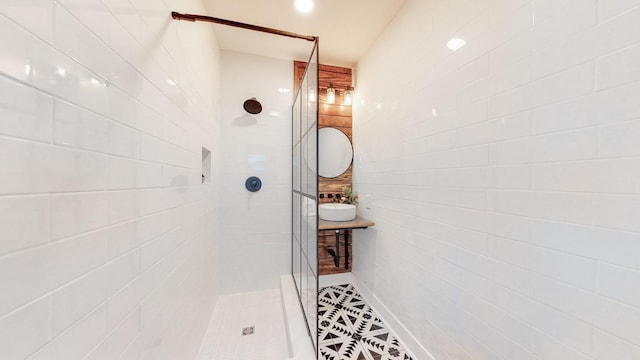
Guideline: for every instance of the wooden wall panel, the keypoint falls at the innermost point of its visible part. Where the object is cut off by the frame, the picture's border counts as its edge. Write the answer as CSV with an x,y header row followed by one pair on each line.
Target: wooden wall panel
x,y
338,116
335,109
335,185
328,241
336,121
340,77
340,81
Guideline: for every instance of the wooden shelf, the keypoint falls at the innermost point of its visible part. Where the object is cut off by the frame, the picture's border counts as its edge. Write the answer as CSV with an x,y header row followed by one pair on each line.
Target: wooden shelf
x,y
357,223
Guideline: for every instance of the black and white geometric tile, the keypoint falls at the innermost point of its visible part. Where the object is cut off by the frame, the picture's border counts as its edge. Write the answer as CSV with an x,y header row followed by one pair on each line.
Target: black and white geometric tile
x,y
349,329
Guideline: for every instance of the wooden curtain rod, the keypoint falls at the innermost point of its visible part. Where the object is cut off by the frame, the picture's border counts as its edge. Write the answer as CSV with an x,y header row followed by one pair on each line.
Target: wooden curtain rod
x,y
194,18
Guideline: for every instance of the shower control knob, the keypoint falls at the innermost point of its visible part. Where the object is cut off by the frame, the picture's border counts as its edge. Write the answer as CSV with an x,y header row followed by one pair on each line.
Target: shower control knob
x,y
253,183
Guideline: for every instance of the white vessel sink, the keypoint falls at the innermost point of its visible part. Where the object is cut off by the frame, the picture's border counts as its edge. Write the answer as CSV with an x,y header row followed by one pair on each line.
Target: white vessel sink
x,y
337,212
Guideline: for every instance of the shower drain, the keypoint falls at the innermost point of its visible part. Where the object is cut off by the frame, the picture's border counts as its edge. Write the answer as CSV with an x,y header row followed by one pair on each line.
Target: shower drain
x,y
248,330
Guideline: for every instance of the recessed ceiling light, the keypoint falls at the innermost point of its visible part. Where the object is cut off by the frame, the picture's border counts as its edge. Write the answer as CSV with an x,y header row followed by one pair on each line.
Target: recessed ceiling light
x,y
304,5
455,43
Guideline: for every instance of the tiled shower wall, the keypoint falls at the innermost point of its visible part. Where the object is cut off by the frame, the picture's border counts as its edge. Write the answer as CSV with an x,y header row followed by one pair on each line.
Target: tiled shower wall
x,y
504,177
255,227
107,234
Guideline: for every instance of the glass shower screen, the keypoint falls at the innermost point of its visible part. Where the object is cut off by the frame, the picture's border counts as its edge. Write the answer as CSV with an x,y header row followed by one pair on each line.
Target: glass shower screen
x,y
305,193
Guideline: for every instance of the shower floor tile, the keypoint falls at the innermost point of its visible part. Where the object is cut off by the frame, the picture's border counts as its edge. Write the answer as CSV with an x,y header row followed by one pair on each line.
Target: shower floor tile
x,y
350,329
226,339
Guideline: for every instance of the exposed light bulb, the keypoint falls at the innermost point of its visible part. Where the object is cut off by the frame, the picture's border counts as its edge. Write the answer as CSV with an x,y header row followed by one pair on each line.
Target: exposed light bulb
x,y
331,94
304,5
348,99
455,43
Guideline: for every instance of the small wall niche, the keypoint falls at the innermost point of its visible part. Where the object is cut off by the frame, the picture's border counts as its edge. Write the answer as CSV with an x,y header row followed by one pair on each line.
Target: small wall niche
x,y
206,166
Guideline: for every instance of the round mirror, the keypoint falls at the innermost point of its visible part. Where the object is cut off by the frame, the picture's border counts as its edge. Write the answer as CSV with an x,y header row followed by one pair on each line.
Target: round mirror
x,y
335,152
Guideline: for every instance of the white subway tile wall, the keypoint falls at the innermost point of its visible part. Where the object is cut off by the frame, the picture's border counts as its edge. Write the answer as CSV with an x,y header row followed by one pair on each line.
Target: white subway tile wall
x,y
255,227
108,236
504,178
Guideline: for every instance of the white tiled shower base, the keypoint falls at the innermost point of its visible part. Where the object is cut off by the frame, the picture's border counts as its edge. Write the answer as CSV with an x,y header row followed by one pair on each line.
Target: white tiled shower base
x,y
261,310
279,331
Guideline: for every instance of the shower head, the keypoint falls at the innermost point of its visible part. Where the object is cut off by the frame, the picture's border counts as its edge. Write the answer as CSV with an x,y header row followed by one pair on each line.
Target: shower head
x,y
252,106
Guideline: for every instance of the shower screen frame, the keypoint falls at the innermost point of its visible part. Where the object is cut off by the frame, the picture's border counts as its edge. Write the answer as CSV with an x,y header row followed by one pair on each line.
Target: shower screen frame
x,y
304,234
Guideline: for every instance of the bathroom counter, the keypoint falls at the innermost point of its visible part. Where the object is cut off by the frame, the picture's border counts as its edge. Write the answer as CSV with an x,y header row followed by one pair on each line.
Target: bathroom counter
x,y
357,223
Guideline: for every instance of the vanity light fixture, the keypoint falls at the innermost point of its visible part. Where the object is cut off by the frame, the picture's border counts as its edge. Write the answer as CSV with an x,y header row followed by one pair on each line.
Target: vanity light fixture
x,y
304,6
331,94
348,96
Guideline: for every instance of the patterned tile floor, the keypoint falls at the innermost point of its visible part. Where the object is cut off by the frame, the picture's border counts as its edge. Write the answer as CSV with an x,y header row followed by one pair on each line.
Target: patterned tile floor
x,y
349,329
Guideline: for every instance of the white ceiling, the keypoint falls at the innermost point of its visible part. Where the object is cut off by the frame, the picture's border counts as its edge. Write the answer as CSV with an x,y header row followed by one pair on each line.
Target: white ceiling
x,y
346,28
